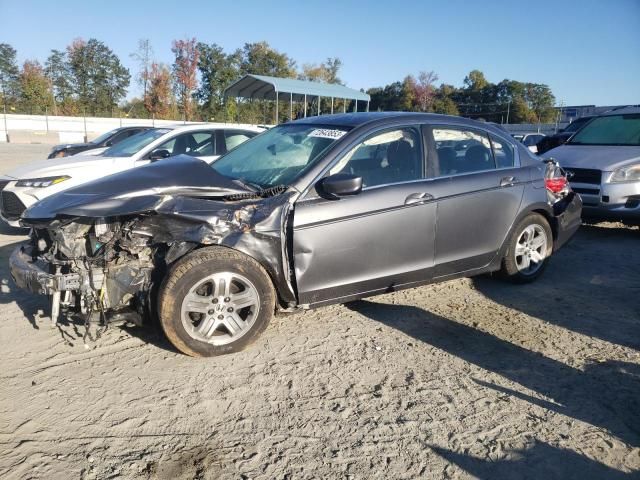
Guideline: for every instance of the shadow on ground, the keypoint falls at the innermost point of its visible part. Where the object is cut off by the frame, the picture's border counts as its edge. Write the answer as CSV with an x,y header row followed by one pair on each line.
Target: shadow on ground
x,y
605,395
539,461
589,287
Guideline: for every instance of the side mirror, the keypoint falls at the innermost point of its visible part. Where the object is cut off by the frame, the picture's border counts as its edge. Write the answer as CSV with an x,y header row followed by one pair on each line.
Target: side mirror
x,y
159,155
340,185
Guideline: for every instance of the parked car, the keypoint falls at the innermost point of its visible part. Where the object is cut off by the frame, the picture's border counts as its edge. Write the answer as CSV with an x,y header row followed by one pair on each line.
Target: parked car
x,y
104,141
553,141
32,182
603,158
317,211
529,140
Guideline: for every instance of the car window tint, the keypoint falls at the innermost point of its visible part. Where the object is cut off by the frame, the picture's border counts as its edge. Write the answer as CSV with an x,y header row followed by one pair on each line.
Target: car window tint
x,y
384,158
190,143
233,138
204,144
461,151
503,152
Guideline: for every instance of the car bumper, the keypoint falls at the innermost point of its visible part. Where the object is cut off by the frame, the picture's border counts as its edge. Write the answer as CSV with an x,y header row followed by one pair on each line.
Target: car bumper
x,y
567,213
615,201
33,275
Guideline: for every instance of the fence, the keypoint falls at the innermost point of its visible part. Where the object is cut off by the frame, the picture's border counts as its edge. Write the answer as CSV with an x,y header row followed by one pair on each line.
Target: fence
x,y
546,128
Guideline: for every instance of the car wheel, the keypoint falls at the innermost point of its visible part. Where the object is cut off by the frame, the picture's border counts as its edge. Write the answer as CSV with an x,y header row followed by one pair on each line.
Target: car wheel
x,y
215,301
528,251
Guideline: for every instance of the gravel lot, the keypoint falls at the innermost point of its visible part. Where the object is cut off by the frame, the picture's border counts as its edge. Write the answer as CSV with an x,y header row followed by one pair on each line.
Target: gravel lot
x,y
470,378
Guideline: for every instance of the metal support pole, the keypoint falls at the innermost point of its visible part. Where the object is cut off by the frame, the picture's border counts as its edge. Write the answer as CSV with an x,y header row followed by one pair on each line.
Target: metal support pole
x,y
46,118
84,118
508,108
6,130
318,105
355,105
331,105
367,105
276,108
305,105
344,105
290,106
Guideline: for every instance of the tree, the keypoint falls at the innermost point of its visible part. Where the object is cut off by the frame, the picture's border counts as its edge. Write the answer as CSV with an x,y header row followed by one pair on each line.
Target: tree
x,y
475,81
159,99
184,73
9,73
34,87
58,74
144,57
260,59
217,71
443,103
324,72
424,91
98,78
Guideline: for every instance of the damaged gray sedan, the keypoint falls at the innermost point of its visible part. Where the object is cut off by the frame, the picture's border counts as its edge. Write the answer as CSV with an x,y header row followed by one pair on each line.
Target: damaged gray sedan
x,y
318,211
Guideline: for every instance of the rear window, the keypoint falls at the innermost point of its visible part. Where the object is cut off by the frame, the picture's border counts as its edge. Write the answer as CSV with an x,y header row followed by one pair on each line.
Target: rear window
x,y
614,130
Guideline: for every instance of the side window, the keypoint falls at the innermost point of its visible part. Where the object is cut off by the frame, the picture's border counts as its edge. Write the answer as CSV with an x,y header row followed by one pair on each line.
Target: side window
x,y
384,158
190,143
503,152
204,144
118,137
461,151
233,138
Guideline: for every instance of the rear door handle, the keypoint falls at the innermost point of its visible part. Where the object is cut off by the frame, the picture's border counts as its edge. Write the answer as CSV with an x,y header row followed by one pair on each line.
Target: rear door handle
x,y
418,197
508,181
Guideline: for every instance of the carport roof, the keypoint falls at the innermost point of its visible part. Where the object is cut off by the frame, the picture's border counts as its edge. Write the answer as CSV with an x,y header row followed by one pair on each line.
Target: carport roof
x,y
264,87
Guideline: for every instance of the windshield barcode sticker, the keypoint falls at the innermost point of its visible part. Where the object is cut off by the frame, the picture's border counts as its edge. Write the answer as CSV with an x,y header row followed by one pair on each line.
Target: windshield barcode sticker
x,y
327,133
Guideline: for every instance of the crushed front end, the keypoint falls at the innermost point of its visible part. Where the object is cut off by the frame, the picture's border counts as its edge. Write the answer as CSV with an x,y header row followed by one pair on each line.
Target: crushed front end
x,y
99,268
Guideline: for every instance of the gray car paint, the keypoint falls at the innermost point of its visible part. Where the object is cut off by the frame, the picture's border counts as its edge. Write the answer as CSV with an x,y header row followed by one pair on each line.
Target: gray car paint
x,y
321,251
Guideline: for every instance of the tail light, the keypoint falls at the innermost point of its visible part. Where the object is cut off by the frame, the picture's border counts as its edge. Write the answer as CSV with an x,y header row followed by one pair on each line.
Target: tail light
x,y
556,185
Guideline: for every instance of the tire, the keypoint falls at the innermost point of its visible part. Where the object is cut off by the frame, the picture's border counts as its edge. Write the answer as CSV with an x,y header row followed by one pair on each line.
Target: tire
x,y
530,247
215,301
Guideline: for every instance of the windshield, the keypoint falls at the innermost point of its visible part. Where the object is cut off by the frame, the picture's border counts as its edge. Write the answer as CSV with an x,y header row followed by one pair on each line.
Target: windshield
x,y
104,136
278,156
576,125
135,143
620,130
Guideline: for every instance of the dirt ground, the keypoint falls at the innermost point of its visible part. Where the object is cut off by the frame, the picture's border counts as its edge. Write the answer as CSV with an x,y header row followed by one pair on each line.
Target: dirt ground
x,y
472,378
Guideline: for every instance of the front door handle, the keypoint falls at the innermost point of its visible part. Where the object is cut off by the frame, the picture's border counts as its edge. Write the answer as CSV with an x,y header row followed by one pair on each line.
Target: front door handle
x,y
508,181
418,197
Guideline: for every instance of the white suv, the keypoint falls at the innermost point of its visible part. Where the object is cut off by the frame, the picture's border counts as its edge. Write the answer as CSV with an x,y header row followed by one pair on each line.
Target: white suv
x,y
26,185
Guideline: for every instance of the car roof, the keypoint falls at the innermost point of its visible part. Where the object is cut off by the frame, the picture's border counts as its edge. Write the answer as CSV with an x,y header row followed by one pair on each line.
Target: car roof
x,y
357,119
631,109
200,126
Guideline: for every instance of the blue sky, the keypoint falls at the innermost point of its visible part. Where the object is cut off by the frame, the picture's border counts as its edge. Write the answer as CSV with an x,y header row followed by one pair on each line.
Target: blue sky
x,y
587,51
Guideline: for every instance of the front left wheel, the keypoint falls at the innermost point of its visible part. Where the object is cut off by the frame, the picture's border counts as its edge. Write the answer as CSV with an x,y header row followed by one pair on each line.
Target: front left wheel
x,y
215,301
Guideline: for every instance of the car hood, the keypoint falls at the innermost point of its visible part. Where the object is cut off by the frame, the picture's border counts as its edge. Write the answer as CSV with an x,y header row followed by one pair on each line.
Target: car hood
x,y
72,145
140,190
64,165
600,157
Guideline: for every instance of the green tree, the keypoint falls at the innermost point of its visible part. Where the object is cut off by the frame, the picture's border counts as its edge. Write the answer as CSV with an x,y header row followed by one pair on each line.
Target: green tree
x,y
260,59
59,77
35,94
217,70
326,71
98,79
9,73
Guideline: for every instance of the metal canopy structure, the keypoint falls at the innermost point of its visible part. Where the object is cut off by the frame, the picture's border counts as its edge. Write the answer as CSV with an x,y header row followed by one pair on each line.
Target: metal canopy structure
x,y
290,89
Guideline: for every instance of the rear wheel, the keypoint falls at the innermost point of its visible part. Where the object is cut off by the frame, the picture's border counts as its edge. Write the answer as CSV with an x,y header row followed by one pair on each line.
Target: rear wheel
x,y
529,248
215,301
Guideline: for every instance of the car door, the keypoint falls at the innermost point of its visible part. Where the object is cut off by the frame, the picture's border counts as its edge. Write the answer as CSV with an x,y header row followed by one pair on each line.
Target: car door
x,y
478,186
373,241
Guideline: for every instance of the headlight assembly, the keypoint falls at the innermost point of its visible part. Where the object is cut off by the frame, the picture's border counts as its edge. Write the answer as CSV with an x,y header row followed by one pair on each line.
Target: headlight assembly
x,y
626,174
42,182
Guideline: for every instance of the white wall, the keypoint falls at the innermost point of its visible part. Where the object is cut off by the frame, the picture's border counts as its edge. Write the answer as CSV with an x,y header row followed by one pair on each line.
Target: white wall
x,y
57,129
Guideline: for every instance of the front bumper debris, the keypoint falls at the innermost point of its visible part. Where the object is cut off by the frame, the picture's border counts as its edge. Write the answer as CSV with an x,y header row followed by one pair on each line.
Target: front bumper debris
x,y
32,275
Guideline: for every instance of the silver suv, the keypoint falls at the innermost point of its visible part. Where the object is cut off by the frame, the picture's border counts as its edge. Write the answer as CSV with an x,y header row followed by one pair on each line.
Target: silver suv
x,y
603,161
